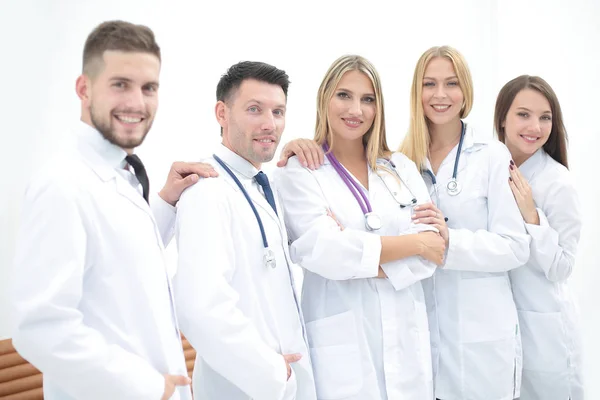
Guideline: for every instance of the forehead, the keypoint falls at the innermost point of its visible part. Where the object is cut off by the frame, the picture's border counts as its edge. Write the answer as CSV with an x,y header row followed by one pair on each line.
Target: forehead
x,y
532,99
266,93
136,66
357,80
439,66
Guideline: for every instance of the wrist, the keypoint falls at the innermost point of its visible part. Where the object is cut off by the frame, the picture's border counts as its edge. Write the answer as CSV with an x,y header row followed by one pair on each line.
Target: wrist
x,y
534,218
163,195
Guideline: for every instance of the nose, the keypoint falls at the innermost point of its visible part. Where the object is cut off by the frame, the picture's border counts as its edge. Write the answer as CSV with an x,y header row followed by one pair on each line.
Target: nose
x,y
355,108
535,127
135,100
440,91
268,122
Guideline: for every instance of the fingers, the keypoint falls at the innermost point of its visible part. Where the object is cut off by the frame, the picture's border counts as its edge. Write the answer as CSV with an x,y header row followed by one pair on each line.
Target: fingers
x,y
178,380
201,169
292,358
285,155
305,154
424,214
187,182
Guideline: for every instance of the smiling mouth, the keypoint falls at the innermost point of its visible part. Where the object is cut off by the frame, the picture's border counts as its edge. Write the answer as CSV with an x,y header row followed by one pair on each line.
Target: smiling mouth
x,y
530,139
128,119
352,122
441,108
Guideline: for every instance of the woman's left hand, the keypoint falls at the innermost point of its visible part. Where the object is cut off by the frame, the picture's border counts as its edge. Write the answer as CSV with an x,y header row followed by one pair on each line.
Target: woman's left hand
x,y
522,192
429,214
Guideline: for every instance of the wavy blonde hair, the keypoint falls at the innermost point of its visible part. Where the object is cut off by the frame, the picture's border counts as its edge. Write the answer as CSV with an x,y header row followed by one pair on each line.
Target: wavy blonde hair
x,y
416,142
374,140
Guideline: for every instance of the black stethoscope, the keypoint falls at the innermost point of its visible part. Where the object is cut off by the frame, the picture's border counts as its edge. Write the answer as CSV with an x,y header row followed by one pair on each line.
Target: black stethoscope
x,y
453,187
269,256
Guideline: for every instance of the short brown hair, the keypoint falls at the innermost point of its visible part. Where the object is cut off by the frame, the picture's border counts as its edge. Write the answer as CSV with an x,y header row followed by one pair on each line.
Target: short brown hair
x,y
119,36
556,146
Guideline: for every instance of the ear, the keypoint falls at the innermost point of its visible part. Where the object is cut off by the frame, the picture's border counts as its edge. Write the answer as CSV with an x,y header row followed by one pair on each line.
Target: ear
x,y
221,113
83,88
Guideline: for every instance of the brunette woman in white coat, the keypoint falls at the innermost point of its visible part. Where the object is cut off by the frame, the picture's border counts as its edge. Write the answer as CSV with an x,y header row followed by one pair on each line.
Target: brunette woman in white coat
x,y
528,119
473,318
362,298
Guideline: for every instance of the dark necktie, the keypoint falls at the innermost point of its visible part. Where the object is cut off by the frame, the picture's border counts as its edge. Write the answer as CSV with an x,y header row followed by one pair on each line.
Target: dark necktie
x,y
263,181
140,173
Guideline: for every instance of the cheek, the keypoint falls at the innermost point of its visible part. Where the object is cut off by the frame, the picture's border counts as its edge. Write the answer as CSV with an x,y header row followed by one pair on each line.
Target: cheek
x,y
369,114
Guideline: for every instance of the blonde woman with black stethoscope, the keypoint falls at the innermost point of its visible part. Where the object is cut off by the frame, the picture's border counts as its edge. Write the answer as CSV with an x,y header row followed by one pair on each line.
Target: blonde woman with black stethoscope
x,y
473,320
528,119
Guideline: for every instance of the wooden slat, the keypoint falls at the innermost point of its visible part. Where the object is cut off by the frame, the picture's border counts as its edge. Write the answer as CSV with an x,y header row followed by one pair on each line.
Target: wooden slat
x,y
33,394
6,347
10,360
16,372
21,385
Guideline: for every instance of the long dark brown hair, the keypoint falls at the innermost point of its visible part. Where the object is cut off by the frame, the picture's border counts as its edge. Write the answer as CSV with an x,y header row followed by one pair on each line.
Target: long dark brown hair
x,y
556,146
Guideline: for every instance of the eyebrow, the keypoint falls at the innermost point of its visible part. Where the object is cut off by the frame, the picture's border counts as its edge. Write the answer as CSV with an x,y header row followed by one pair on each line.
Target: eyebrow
x,y
128,80
260,103
527,109
447,79
350,91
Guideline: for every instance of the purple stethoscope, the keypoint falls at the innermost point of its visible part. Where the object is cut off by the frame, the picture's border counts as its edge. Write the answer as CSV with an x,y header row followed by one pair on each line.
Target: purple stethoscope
x,y
372,219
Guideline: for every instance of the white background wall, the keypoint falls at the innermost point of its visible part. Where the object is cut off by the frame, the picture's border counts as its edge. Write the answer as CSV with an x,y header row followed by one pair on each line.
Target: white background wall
x,y
42,41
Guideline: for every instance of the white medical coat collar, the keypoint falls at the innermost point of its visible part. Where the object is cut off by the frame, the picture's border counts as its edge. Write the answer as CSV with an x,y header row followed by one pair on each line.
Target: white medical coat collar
x,y
106,152
530,166
236,162
472,142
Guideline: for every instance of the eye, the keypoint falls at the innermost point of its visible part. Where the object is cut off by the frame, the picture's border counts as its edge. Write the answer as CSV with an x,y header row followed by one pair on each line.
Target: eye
x,y
523,114
369,99
279,113
547,117
428,84
453,83
253,109
343,95
119,85
150,88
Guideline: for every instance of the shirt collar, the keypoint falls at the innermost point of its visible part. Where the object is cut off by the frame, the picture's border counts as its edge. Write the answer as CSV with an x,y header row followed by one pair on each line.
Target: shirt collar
x,y
530,165
91,139
236,162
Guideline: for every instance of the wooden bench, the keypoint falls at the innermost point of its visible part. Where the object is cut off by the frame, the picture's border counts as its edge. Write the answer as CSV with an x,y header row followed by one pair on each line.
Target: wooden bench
x,y
20,380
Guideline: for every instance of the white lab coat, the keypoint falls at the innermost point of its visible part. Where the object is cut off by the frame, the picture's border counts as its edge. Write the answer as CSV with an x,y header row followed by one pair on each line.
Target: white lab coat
x,y
239,315
368,337
472,315
91,291
547,313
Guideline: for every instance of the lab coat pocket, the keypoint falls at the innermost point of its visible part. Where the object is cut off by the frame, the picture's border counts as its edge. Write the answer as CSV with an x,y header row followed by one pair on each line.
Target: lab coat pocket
x,y
335,356
488,310
544,342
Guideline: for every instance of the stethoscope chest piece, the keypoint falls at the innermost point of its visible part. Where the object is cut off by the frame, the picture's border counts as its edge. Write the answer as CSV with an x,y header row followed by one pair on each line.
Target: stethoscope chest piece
x,y
269,258
372,221
453,187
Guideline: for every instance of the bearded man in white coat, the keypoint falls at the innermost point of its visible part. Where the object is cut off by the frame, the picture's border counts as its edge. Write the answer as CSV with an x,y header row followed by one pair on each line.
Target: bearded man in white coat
x,y
234,288
93,300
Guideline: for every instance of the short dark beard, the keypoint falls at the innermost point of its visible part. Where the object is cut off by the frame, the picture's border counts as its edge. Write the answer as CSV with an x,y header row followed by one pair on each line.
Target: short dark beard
x,y
107,132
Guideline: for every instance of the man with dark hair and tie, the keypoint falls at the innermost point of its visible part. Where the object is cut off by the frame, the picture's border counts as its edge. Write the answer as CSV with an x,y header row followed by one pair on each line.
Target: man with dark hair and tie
x,y
234,289
93,299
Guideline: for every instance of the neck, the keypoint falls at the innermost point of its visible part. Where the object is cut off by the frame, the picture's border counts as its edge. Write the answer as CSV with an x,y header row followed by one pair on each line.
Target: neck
x,y
225,143
444,135
349,151
517,156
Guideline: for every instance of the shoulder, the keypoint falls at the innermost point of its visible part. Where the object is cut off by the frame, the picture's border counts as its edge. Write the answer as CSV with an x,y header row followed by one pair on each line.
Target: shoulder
x,y
556,174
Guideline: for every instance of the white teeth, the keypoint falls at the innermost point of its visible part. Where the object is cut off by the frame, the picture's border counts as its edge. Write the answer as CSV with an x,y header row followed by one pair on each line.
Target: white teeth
x,y
265,140
441,108
352,122
129,120
530,138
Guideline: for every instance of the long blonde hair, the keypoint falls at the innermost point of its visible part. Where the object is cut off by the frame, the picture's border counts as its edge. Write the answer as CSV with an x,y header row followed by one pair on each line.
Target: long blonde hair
x,y
374,140
416,141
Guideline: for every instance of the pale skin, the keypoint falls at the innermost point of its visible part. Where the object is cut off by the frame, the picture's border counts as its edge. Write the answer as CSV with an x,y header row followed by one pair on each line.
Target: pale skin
x,y
351,113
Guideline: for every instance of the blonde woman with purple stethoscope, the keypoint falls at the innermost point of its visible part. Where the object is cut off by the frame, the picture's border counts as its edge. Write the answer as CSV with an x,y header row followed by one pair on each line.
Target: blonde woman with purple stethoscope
x,y
528,119
362,300
476,344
